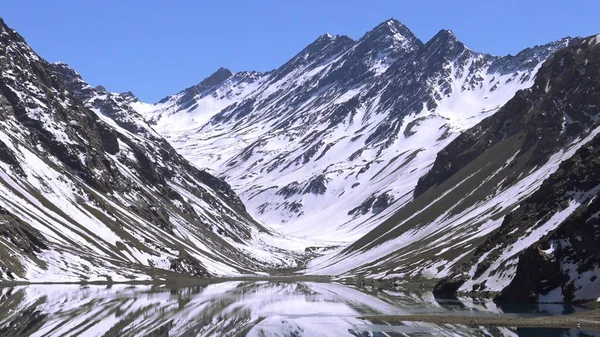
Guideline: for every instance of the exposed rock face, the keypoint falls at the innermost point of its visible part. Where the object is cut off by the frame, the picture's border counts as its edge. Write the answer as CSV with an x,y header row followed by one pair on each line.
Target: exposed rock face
x,y
560,109
188,265
564,264
89,191
117,107
24,238
375,204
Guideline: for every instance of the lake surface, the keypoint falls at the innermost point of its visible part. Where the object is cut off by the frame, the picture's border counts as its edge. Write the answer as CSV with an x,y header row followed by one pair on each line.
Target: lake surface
x,y
241,309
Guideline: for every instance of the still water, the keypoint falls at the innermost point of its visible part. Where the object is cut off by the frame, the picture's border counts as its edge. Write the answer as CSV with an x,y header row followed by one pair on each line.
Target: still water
x,y
241,309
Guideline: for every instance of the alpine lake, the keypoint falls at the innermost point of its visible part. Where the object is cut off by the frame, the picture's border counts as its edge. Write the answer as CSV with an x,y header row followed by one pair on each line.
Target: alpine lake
x,y
263,308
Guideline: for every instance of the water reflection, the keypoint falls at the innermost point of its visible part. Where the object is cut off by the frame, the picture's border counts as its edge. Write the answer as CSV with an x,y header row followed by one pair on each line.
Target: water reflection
x,y
234,309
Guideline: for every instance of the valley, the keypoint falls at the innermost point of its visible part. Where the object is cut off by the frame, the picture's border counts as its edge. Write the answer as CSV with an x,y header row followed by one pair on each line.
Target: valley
x,y
382,160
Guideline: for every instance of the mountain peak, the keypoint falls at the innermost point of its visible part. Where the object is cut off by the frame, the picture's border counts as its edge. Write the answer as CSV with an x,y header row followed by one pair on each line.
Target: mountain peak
x,y
64,67
323,40
66,73
445,37
392,22
446,34
392,26
217,77
12,34
327,38
323,47
3,25
129,96
72,80
392,34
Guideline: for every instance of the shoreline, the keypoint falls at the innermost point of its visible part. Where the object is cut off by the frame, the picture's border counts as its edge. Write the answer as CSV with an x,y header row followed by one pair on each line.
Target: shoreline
x,y
182,282
589,320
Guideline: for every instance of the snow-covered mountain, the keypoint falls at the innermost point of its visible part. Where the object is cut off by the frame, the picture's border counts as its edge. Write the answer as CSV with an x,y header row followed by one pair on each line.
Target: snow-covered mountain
x,y
416,157
419,160
334,141
88,191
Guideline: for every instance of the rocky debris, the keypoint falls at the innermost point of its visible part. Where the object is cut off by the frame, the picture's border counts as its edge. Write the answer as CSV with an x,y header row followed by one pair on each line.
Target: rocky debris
x,y
317,185
187,264
28,239
374,204
8,156
110,142
289,190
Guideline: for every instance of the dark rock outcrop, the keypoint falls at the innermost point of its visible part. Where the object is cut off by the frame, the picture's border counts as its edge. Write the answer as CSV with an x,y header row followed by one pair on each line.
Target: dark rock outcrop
x,y
538,114
569,250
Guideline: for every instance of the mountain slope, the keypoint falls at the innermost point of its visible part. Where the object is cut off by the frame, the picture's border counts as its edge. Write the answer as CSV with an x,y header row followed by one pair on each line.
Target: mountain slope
x,y
88,191
345,129
506,204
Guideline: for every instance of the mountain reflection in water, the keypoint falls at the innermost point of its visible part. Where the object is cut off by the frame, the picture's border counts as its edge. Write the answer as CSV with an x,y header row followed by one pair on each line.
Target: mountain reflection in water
x,y
237,309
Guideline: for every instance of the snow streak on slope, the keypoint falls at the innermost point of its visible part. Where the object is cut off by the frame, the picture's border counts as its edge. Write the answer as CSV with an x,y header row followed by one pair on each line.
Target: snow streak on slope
x,y
330,144
452,232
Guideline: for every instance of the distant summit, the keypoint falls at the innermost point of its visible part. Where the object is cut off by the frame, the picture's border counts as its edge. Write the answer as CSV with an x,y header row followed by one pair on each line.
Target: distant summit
x,y
217,77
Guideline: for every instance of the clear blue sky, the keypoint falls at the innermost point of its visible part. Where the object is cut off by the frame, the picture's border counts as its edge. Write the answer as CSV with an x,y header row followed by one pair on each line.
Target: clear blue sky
x,y
157,47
